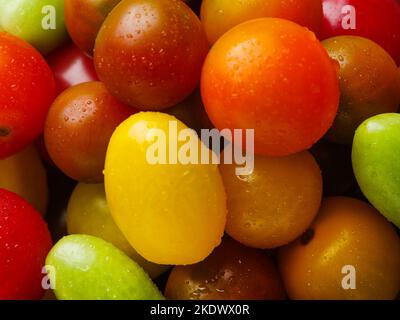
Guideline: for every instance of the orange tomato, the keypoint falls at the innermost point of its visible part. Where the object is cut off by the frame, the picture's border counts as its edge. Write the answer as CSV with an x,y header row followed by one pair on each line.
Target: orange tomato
x,y
24,174
276,203
348,233
274,76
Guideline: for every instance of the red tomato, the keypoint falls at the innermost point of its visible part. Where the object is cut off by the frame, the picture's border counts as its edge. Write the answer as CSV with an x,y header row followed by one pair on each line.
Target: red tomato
x,y
377,20
275,77
78,128
27,90
24,243
149,53
71,66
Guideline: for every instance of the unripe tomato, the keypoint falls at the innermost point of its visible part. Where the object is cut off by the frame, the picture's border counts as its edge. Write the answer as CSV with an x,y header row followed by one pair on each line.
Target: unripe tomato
x,y
275,77
149,53
39,22
220,16
78,127
88,213
24,244
27,90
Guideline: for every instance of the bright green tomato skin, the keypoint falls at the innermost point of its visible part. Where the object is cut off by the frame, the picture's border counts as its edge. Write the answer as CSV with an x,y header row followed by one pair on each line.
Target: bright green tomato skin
x,y
23,18
376,164
88,268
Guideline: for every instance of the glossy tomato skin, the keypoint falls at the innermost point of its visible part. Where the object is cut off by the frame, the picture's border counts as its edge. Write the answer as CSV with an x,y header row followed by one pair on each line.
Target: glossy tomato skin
x,y
231,272
149,53
275,77
369,84
24,244
84,18
27,91
71,66
347,232
377,20
78,127
220,16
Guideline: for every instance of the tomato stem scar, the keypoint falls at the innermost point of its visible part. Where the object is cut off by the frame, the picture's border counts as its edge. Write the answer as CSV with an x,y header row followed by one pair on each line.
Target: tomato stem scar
x,y
4,131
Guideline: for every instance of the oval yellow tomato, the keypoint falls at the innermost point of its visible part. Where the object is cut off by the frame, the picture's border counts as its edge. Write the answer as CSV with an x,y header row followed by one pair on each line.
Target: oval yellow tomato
x,y
171,213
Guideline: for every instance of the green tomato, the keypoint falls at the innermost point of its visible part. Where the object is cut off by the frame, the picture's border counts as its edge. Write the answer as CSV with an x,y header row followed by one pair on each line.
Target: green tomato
x,y
375,156
88,213
39,22
82,267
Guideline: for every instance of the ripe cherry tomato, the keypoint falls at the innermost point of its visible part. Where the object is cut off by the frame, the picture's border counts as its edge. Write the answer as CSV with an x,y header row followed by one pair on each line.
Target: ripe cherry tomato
x,y
231,272
369,84
377,20
70,67
78,127
149,53
274,76
84,18
220,16
276,203
27,90
24,244
349,237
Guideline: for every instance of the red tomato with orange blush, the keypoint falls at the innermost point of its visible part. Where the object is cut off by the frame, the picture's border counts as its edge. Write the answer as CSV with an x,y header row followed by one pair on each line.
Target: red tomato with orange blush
x,y
27,90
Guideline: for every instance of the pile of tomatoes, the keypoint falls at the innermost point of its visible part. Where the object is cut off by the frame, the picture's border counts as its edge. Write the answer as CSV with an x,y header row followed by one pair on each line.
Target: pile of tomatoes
x,y
87,85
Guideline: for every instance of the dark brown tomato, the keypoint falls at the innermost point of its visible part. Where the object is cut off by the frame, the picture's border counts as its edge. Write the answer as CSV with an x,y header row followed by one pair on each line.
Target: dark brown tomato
x,y
78,128
369,84
231,272
149,53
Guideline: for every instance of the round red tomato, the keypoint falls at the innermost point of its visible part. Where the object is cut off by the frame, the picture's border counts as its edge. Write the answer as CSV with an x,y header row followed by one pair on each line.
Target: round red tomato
x,y
24,243
149,53
78,128
377,20
71,66
26,92
271,75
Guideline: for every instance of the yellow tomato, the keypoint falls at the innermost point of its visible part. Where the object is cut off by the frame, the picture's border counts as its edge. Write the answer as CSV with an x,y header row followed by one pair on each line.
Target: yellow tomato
x,y
171,213
24,174
276,203
350,252
88,213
